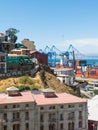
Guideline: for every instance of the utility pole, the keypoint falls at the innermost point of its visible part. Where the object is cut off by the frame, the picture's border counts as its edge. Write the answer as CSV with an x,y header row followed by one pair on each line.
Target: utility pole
x,y
74,64
5,63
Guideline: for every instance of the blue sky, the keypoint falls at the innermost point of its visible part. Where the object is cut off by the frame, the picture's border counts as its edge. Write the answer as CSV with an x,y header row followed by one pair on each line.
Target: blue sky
x,y
53,22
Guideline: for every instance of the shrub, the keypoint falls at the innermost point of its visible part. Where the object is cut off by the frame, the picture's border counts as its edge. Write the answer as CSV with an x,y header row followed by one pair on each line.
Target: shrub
x,y
34,88
23,88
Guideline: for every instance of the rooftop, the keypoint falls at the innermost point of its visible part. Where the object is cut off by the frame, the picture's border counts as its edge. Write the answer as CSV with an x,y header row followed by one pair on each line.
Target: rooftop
x,y
25,97
61,98
62,69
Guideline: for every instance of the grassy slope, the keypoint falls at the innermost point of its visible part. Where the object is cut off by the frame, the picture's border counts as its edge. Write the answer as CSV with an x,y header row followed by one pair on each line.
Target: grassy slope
x,y
40,81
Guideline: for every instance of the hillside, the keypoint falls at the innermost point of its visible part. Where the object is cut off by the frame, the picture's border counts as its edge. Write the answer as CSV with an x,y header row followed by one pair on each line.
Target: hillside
x,y
44,78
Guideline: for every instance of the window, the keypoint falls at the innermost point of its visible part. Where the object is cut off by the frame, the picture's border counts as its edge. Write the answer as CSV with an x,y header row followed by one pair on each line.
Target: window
x,y
61,106
80,105
61,126
51,126
71,126
5,116
63,80
26,115
5,107
16,116
27,105
41,108
41,117
16,127
5,127
70,106
80,124
27,126
80,114
52,117
71,116
14,106
41,127
52,107
61,116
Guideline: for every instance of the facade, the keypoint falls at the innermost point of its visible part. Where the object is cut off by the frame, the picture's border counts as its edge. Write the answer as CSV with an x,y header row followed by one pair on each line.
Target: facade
x,y
2,62
6,46
2,37
41,58
18,62
16,110
65,75
29,44
42,111
20,51
60,112
93,113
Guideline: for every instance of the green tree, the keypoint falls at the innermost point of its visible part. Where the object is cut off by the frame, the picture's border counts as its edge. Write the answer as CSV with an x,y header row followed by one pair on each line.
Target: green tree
x,y
11,34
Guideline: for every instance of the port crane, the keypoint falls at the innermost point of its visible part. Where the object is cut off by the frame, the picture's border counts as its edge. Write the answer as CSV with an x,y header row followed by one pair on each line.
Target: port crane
x,y
56,56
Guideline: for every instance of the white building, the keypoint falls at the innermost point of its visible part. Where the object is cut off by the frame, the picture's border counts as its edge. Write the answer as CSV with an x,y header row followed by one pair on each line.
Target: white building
x,y
65,75
93,113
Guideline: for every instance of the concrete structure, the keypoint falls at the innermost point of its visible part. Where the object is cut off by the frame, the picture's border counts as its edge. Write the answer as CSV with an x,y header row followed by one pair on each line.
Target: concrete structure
x,y
65,75
42,111
16,110
29,44
60,111
93,113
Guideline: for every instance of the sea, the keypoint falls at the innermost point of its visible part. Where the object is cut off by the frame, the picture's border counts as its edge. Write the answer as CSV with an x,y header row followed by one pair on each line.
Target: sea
x,y
90,62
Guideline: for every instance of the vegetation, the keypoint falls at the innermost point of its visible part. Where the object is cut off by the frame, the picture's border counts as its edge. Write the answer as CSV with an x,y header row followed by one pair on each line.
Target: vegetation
x,y
11,35
22,88
96,92
44,78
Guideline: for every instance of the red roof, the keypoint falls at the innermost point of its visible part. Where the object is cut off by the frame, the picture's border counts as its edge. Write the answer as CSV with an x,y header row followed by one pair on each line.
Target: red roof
x,y
33,52
62,98
25,97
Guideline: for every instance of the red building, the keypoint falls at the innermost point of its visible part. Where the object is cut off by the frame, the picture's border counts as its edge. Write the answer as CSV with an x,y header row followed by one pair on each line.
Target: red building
x,y
42,58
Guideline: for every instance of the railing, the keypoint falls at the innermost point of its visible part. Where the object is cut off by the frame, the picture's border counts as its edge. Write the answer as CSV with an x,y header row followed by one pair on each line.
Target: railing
x,y
52,120
17,119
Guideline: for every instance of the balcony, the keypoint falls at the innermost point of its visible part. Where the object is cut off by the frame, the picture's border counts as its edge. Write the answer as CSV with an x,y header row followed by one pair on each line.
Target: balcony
x,y
80,117
52,120
15,120
71,118
27,118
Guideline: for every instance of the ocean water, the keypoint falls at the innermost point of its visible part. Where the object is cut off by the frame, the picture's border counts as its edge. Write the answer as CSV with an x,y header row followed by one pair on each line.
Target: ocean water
x,y
92,61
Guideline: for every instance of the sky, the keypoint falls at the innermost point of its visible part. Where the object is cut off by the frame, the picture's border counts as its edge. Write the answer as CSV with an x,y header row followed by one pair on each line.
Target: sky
x,y
53,22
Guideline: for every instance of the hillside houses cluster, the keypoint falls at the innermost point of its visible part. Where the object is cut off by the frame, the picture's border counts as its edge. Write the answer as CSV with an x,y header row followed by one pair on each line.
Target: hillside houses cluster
x,y
41,110
15,57
20,59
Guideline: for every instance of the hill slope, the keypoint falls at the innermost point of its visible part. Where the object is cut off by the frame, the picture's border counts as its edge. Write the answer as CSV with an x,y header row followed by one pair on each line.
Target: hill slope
x,y
44,78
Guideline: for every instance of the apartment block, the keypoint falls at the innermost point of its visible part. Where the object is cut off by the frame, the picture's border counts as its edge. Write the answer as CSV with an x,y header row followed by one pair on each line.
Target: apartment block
x,y
45,110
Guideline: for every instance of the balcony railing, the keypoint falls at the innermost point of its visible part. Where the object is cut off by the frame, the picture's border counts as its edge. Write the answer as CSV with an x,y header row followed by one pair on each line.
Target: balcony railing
x,y
17,119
